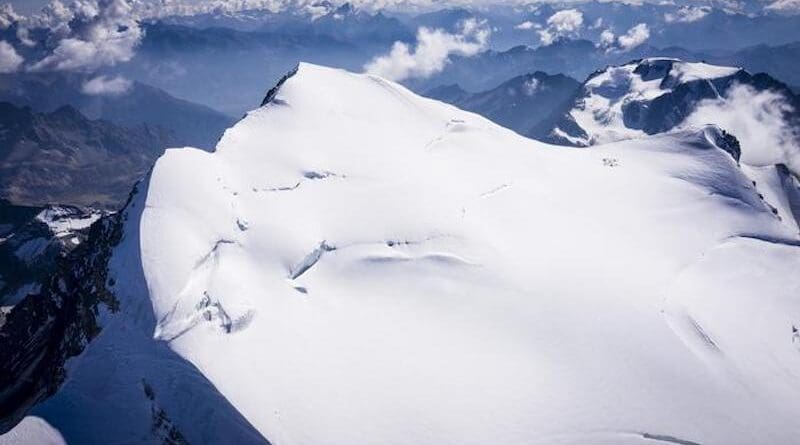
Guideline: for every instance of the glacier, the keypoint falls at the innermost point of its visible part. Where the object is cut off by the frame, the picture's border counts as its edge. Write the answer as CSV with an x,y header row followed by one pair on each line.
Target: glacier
x,y
358,264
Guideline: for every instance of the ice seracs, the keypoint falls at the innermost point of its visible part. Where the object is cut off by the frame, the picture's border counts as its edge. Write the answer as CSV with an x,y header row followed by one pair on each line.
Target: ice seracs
x,y
460,284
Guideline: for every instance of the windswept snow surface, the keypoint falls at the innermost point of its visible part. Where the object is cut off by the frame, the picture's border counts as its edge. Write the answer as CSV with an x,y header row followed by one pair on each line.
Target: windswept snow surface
x,y
359,265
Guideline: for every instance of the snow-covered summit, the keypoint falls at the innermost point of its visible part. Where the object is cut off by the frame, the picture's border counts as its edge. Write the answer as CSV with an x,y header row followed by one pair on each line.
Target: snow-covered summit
x,y
357,264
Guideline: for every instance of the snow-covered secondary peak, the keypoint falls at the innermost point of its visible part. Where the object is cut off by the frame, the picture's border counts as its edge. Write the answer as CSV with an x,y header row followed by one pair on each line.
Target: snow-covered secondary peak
x,y
675,71
636,99
357,264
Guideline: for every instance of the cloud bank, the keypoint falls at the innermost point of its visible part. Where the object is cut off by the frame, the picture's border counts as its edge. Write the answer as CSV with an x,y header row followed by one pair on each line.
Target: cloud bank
x,y
432,52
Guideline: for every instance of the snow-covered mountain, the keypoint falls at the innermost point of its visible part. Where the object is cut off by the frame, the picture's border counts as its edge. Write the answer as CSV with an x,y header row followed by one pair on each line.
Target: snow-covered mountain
x,y
655,95
357,264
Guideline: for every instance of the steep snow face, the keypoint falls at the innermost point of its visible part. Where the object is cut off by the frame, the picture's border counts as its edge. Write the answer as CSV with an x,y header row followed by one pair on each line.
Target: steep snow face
x,y
357,264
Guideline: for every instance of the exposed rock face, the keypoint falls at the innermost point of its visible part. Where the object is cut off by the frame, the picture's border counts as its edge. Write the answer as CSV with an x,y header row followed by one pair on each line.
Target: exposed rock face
x,y
43,330
32,241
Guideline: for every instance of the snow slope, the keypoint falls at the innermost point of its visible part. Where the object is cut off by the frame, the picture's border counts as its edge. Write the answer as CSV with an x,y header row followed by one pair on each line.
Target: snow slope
x,y
359,265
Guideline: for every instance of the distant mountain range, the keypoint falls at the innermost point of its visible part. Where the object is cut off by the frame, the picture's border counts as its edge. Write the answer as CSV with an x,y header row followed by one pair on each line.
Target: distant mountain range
x,y
181,122
62,145
519,104
252,49
579,58
63,157
698,27
345,23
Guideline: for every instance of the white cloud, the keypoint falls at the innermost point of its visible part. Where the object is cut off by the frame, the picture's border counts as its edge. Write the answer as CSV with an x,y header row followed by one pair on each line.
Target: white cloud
x,y
688,14
10,61
757,120
784,6
634,37
564,23
525,25
106,86
317,10
607,39
625,42
431,53
89,35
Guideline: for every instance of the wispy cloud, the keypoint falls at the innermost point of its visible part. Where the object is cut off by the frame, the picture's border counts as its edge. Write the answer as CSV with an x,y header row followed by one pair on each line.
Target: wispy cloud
x,y
106,86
